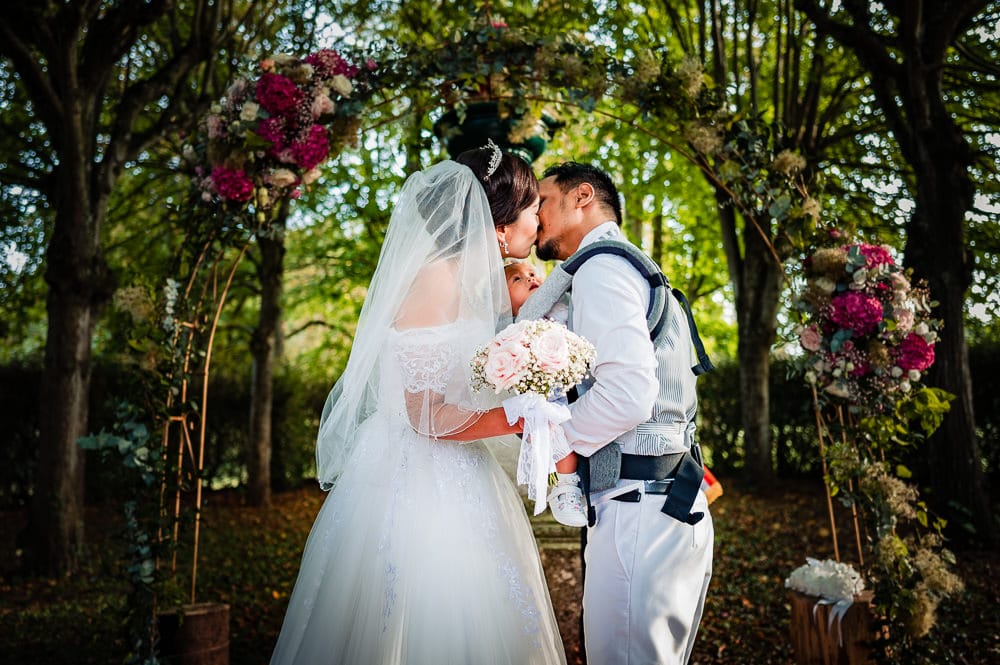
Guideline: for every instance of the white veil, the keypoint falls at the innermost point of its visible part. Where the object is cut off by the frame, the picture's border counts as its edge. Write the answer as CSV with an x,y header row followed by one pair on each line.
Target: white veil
x,y
439,268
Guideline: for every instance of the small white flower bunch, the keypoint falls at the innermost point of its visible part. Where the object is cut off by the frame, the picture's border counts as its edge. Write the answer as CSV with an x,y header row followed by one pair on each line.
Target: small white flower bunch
x,y
532,356
828,579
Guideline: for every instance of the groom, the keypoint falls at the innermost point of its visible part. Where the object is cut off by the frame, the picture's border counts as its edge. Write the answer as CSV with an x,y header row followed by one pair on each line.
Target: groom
x,y
647,572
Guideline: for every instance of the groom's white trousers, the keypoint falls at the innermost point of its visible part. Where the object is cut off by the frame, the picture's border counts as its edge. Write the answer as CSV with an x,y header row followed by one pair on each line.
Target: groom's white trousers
x,y
646,580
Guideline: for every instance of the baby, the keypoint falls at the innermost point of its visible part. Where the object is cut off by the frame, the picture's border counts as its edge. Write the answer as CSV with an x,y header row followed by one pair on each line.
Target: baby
x,y
565,499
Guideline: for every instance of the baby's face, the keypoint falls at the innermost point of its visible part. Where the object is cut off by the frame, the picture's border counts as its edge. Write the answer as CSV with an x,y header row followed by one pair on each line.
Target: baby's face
x,y
521,281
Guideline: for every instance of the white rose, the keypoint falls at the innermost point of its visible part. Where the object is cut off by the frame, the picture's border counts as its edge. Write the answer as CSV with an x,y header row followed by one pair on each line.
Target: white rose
x,y
838,390
551,350
896,372
249,112
914,375
810,377
281,178
904,386
921,329
825,284
341,85
311,176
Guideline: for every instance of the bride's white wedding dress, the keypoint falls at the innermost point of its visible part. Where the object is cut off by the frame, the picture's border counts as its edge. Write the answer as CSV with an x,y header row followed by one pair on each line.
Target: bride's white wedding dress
x,y
422,553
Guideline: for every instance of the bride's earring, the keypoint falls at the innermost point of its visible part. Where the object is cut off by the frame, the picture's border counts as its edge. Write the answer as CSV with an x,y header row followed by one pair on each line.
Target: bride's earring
x,y
505,248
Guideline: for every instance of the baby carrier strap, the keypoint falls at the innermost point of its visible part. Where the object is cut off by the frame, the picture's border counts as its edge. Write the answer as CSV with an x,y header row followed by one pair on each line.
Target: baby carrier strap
x,y
657,312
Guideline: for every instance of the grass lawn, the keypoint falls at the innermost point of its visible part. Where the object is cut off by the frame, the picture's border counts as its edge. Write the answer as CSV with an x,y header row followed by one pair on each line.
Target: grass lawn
x,y
250,558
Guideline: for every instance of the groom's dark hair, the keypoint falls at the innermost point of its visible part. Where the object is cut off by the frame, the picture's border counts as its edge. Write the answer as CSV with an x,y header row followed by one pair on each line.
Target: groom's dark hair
x,y
572,174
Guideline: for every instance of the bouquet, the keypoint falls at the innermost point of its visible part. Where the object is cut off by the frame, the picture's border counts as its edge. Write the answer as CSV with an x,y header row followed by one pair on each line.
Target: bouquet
x,y
265,139
867,333
534,360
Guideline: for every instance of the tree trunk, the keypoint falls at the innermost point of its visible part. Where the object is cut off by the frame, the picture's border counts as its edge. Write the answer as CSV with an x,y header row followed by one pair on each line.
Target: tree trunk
x,y
55,531
79,284
935,249
909,87
756,313
266,347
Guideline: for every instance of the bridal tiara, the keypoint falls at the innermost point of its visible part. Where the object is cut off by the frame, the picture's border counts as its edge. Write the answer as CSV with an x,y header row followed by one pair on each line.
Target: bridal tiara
x,y
494,158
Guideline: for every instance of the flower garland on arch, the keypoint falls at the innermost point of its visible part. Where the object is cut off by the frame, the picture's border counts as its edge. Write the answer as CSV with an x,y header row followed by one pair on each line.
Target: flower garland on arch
x,y
867,333
264,141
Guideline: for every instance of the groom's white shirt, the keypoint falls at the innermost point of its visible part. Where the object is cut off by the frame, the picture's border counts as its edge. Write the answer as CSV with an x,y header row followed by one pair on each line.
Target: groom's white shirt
x,y
609,301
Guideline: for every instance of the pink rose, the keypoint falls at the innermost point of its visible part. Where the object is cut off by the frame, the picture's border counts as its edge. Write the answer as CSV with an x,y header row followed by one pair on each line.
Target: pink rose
x,y
551,350
322,105
505,364
810,338
904,320
515,331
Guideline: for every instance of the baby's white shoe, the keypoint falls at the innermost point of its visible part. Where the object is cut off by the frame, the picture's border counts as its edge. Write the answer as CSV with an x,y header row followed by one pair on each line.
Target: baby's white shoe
x,y
566,502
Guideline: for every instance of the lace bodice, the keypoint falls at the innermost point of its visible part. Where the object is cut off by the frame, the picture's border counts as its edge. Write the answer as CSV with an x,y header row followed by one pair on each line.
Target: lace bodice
x,y
427,376
425,357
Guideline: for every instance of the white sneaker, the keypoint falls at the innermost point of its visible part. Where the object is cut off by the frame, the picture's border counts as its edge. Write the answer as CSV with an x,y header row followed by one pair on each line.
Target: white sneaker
x,y
566,504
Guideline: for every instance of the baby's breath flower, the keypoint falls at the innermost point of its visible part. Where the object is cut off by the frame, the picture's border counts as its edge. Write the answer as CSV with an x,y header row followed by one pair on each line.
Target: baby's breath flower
x,y
788,162
707,140
692,77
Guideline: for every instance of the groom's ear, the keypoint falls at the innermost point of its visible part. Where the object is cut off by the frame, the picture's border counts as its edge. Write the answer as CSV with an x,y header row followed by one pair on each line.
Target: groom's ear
x,y
584,194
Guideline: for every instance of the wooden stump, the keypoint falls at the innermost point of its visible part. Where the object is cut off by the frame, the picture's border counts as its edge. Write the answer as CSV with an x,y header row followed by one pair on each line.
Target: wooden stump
x,y
846,642
196,634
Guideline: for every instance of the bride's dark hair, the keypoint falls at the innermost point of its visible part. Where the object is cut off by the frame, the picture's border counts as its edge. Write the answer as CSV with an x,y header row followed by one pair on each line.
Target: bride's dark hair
x,y
510,189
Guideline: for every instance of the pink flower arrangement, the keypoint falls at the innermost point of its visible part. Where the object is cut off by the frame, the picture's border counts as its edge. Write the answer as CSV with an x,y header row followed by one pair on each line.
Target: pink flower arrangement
x,y
263,141
532,357
866,334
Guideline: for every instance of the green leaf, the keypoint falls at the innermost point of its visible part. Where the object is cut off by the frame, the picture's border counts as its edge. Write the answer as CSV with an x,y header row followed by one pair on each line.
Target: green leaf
x,y
903,472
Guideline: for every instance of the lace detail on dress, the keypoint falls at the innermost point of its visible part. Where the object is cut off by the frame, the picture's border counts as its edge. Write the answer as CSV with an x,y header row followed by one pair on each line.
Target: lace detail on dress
x,y
426,360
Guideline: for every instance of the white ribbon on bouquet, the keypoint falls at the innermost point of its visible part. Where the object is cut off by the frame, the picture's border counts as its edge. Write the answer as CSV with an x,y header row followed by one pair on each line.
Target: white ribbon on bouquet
x,y
541,432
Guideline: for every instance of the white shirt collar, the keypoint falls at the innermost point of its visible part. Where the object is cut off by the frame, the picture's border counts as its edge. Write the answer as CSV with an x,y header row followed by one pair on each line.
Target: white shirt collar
x,y
609,228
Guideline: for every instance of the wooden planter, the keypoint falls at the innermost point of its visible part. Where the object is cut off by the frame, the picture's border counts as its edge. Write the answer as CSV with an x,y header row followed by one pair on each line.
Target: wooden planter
x,y
196,634
846,642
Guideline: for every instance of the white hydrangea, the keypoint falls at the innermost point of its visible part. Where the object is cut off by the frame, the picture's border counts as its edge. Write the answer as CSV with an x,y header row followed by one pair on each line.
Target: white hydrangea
x,y
828,579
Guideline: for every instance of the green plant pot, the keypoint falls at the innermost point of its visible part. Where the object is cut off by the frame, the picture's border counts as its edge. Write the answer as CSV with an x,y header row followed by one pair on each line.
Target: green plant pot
x,y
483,122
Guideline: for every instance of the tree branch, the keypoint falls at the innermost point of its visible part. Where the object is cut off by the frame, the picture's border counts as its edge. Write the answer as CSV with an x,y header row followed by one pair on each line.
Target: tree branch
x,y
30,69
111,36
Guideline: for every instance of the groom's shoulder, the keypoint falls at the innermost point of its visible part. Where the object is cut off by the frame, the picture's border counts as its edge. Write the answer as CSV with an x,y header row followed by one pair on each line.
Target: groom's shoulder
x,y
607,270
613,254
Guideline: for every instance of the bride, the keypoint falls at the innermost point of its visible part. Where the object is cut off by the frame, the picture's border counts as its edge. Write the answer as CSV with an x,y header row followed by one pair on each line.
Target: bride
x,y
422,552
